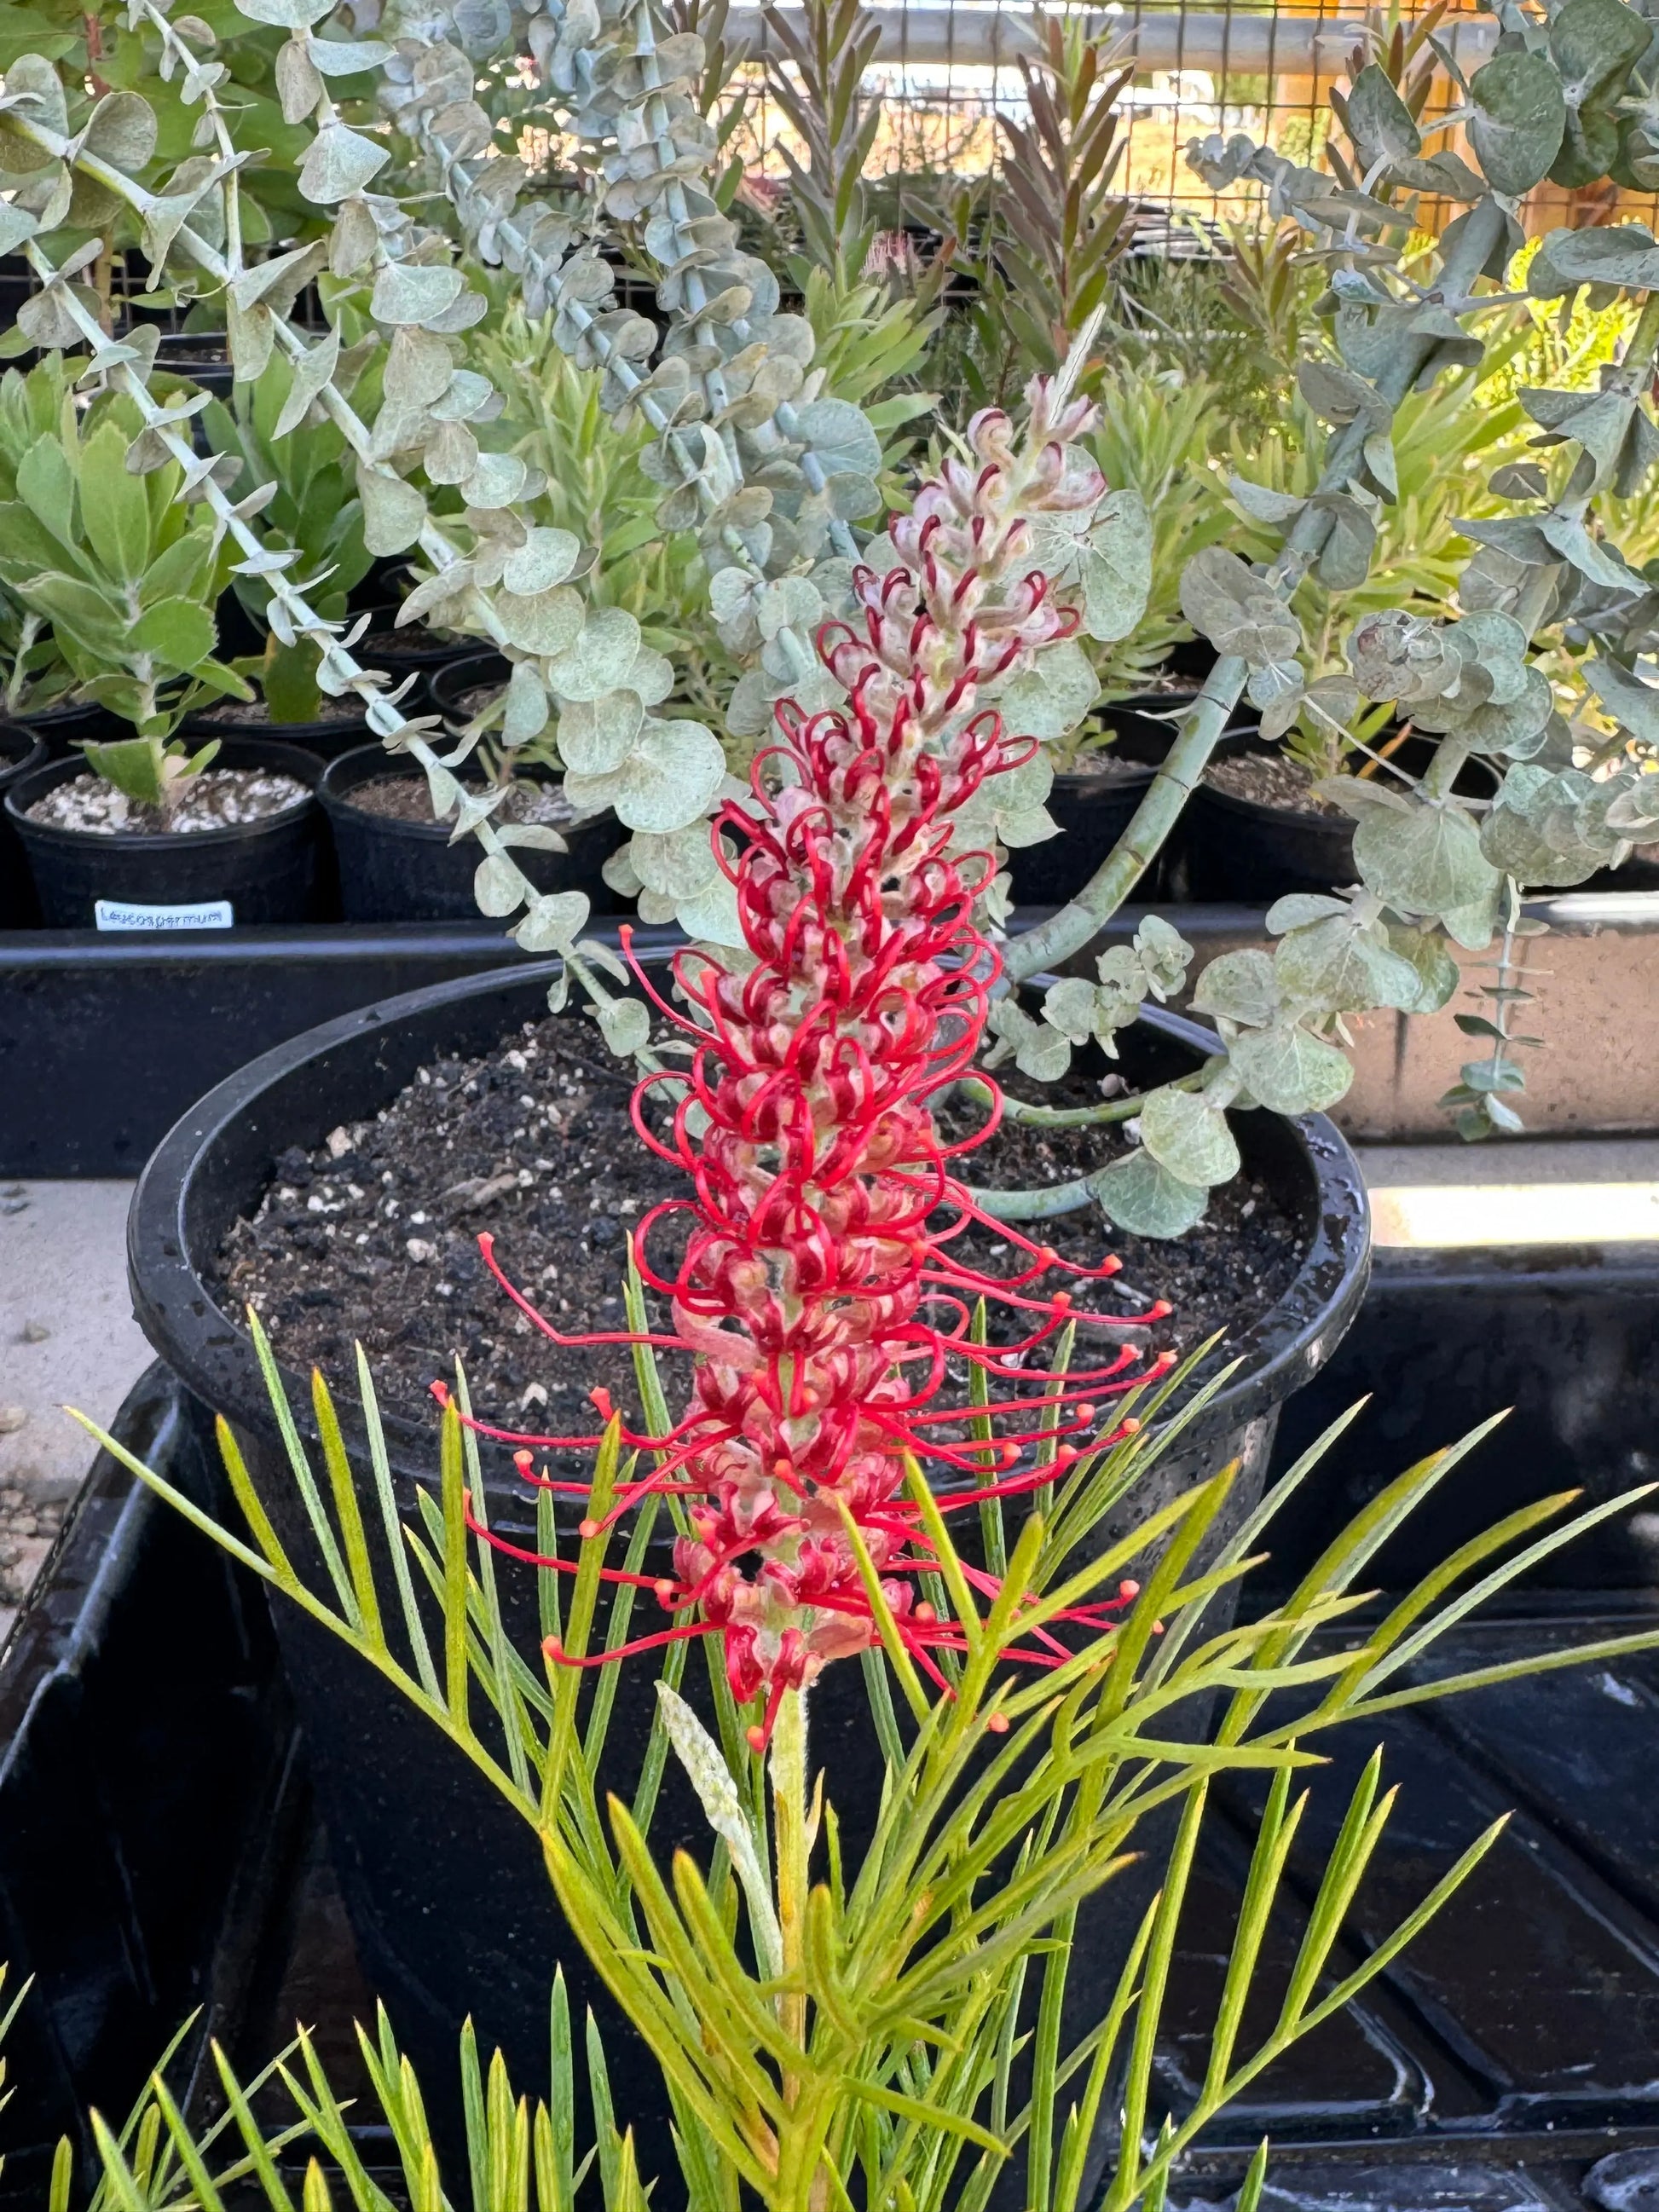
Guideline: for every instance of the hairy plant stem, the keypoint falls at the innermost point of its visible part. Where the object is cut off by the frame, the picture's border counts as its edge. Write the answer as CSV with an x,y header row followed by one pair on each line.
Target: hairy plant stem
x,y
1068,931
1070,1117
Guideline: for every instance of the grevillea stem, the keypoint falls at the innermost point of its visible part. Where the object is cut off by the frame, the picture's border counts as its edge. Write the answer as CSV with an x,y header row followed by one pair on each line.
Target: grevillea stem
x,y
789,1775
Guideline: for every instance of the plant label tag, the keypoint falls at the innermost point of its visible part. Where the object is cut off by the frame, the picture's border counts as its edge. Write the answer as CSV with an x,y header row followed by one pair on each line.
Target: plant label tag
x,y
123,914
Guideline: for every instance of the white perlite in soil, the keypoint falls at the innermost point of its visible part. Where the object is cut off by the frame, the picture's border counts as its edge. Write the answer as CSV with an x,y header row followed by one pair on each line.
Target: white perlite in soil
x,y
218,799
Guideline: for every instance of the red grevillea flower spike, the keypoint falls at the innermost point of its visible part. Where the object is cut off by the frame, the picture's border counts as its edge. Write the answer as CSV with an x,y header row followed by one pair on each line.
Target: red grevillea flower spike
x,y
818,1294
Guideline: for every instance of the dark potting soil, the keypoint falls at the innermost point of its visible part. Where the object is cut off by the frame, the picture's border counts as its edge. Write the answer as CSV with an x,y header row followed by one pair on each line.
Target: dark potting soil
x,y
405,798
1270,780
216,799
254,715
1103,763
373,1236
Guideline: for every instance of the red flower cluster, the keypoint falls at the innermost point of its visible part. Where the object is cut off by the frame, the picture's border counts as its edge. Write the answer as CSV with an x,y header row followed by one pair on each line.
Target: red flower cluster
x,y
818,1292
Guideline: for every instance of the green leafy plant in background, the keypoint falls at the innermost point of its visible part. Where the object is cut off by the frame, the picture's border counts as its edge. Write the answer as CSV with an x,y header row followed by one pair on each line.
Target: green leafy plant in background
x,y
1043,240
30,409
124,568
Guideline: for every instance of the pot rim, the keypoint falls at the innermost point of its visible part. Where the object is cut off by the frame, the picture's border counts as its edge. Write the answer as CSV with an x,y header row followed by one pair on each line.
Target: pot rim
x,y
293,761
447,678
213,1353
35,754
405,765
1233,802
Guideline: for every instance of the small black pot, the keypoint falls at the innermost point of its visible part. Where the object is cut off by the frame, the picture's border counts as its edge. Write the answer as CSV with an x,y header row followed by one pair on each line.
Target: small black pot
x,y
322,740
393,870
1093,811
410,1823
411,651
200,356
267,871
21,753
445,687
70,722
1240,848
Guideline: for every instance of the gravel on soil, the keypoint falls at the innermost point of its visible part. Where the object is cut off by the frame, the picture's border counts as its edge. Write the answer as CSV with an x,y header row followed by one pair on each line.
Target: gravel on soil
x,y
372,1237
218,798
397,798
1270,780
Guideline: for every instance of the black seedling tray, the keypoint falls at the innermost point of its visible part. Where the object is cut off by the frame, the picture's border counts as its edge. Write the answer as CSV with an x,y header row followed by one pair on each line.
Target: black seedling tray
x,y
106,1040
158,1849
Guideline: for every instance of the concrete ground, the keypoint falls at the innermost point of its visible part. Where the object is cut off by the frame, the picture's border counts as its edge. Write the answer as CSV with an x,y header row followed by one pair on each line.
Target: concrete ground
x,y
67,1334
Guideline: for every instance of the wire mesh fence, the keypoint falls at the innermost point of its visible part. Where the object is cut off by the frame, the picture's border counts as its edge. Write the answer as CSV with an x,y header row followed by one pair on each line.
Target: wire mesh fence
x,y
945,69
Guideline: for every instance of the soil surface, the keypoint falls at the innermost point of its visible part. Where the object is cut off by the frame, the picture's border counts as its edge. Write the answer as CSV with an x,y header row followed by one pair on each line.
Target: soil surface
x,y
1270,780
473,700
373,1235
254,715
406,798
410,643
1105,764
218,798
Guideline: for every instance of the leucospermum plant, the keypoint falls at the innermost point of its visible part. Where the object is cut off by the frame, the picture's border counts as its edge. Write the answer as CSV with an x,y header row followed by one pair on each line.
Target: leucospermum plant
x,y
897,2029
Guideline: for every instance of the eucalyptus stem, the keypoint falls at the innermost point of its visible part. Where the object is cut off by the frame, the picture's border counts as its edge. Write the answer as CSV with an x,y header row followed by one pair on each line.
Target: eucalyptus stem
x,y
1069,930
1072,1117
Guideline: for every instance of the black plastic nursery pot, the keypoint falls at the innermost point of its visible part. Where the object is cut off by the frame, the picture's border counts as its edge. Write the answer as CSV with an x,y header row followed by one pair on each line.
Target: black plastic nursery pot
x,y
249,873
1242,849
69,722
21,753
1094,806
395,871
324,738
448,686
411,1827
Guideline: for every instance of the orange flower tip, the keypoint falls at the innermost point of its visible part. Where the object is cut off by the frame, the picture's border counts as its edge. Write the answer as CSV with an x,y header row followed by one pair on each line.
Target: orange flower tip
x,y
440,1392
1158,1628
588,1529
1086,1411
552,1647
1009,1455
523,1461
466,1498
599,1399
1129,1426
1062,1301
998,1723
1111,1265
1160,1310
665,1589
1129,1589
755,1737
784,1469
924,1616
1048,1255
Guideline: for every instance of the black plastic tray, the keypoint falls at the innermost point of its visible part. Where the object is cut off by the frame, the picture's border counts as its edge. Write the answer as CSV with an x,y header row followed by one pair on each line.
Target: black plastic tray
x,y
105,1041
158,1851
